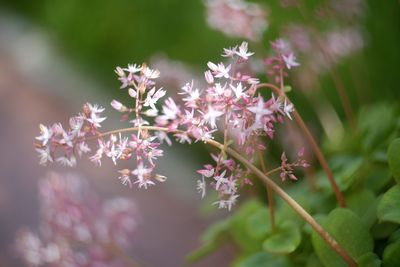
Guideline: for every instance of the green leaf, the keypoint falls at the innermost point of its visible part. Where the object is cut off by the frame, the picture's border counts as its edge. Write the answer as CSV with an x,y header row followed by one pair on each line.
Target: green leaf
x,y
360,201
376,124
238,229
258,224
285,239
369,260
262,259
394,159
211,240
389,205
349,231
391,255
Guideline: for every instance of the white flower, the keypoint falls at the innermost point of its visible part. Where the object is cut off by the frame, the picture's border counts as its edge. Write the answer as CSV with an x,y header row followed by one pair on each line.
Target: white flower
x,y
67,161
211,116
201,187
133,68
219,70
287,108
153,96
142,174
220,179
259,110
46,134
149,73
238,90
290,61
229,52
243,53
44,154
124,177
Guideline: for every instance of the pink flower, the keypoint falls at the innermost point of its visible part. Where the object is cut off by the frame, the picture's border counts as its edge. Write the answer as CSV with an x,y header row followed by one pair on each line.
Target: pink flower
x,y
219,70
290,61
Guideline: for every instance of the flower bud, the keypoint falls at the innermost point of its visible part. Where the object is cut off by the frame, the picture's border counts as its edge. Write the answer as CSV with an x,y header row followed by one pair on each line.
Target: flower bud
x,y
118,106
160,178
209,77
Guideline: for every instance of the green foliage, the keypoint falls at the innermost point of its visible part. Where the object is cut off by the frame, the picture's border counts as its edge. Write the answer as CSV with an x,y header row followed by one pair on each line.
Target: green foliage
x,y
391,255
389,205
285,239
394,158
349,231
368,229
262,259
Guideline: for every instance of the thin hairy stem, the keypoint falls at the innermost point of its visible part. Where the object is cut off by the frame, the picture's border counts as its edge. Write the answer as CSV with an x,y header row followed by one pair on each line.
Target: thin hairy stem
x,y
314,146
264,178
271,204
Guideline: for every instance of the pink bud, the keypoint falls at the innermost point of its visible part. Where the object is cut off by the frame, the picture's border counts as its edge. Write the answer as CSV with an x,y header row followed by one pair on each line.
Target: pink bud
x,y
118,106
209,77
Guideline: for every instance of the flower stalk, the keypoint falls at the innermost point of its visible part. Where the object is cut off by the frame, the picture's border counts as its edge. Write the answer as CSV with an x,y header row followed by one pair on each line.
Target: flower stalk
x,y
314,146
265,179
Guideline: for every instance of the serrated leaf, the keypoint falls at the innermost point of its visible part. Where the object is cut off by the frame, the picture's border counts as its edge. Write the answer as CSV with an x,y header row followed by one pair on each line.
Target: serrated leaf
x,y
394,159
285,239
262,259
389,205
349,231
391,255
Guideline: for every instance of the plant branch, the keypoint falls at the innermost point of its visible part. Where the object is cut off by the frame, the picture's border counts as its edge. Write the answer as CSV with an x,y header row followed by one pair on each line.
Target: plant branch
x,y
317,151
279,191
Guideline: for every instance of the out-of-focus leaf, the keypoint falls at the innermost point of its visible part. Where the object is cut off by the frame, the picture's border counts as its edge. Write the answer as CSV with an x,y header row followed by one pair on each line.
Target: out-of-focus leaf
x,y
394,159
258,224
389,205
313,261
211,240
395,236
262,259
360,201
285,239
376,123
383,230
349,231
391,255
377,178
369,260
238,229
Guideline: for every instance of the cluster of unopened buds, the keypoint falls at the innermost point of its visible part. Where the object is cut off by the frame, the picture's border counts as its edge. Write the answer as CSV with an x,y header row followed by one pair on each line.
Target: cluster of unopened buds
x,y
76,229
230,104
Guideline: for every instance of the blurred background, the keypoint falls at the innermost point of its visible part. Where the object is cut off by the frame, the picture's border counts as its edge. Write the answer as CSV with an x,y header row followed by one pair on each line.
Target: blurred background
x,y
56,55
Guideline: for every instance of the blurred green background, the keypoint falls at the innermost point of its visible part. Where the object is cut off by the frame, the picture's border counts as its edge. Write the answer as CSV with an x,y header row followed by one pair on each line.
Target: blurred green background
x,y
98,35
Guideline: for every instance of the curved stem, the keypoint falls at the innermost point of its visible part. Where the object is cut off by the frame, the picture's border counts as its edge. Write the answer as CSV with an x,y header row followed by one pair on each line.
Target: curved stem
x,y
317,151
280,192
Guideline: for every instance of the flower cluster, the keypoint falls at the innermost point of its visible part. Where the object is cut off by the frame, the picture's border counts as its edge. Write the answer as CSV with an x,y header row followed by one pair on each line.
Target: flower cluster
x,y
237,18
287,168
55,138
75,228
229,104
282,60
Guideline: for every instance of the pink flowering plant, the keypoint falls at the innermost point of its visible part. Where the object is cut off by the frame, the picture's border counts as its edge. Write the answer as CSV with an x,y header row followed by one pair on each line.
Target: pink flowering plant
x,y
76,228
237,115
